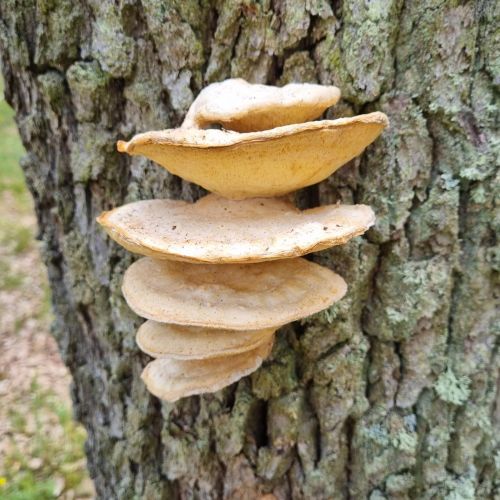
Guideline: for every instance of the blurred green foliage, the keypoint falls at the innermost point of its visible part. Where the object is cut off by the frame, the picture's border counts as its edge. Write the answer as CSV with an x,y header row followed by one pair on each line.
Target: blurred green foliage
x,y
11,150
55,457
44,458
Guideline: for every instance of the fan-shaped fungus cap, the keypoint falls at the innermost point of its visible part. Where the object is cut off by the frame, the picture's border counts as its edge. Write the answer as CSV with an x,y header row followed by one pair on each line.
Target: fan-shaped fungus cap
x,y
244,107
217,230
230,296
172,379
268,163
163,340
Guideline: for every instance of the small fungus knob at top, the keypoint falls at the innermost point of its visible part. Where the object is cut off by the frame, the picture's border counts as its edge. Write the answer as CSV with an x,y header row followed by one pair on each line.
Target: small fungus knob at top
x,y
244,107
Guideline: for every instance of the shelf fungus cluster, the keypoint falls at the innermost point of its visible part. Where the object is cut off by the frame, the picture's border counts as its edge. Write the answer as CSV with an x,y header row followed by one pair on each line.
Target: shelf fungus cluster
x,y
221,275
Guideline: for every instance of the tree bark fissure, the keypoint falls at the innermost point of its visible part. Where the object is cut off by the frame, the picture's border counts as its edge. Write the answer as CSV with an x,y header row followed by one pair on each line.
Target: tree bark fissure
x,y
390,394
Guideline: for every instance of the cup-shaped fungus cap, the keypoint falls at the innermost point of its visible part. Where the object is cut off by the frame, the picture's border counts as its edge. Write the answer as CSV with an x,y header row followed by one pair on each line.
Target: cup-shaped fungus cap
x,y
217,230
230,296
245,107
172,379
268,163
163,340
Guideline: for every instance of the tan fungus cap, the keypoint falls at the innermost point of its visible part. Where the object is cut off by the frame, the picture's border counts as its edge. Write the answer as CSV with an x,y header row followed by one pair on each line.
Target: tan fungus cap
x,y
172,379
244,107
162,340
268,163
217,230
230,296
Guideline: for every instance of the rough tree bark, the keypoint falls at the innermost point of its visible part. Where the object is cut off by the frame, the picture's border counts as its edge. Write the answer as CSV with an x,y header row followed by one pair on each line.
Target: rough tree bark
x,y
394,392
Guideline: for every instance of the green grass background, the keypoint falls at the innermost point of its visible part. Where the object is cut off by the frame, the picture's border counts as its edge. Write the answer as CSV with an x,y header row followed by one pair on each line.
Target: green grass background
x,y
11,150
56,444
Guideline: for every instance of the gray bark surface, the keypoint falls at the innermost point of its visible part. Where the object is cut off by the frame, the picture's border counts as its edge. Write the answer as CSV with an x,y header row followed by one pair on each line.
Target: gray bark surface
x,y
391,394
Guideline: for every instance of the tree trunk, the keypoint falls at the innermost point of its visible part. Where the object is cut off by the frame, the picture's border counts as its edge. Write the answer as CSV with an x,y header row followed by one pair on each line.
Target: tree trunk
x,y
392,393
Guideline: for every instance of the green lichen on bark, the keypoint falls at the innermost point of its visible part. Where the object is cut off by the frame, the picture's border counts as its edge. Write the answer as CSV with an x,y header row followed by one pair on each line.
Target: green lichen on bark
x,y
58,32
392,392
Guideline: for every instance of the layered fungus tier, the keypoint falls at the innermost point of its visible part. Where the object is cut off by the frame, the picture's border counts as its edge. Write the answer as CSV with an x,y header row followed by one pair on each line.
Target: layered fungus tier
x,y
222,275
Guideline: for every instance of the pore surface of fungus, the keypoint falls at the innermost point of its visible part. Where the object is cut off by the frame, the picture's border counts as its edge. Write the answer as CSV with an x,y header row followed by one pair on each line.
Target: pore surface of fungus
x,y
171,379
259,164
218,230
161,340
244,107
230,296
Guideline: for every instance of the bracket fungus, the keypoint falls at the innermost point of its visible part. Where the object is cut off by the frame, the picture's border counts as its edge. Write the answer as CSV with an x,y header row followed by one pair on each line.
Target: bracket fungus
x,y
172,379
267,163
221,275
163,340
244,107
216,230
230,296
